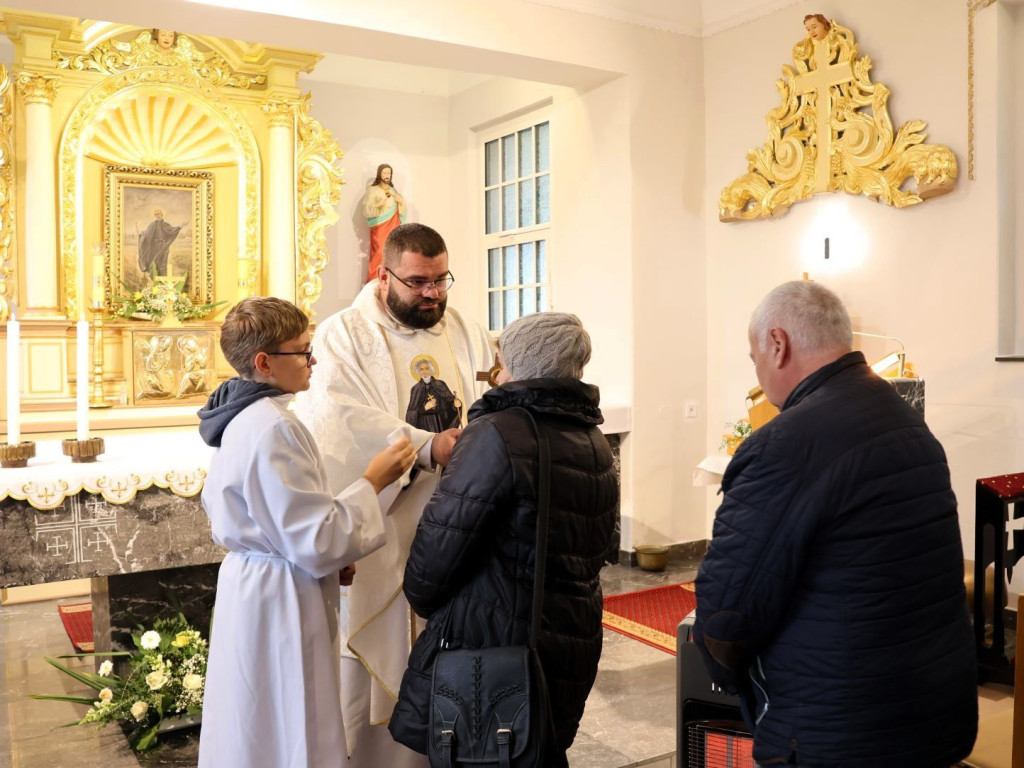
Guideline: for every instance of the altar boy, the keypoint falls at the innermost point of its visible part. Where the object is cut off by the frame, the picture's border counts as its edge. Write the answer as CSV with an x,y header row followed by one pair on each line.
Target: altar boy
x,y
272,693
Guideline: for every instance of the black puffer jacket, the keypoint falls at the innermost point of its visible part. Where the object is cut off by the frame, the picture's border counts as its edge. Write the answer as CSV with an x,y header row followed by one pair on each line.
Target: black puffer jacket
x,y
832,594
475,547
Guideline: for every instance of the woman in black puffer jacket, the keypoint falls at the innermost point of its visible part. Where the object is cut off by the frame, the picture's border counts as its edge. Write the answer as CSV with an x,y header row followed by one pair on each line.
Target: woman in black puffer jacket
x,y
474,548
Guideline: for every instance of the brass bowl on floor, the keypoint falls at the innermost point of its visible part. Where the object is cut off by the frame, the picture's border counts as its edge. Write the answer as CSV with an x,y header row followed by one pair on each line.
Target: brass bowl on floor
x,y
651,558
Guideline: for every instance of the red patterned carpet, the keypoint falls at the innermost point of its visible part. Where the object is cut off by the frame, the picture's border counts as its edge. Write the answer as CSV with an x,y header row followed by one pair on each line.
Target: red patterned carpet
x,y
651,615
77,618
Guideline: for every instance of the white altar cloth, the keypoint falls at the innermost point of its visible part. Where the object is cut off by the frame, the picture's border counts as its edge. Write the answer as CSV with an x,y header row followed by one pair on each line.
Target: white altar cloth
x,y
174,460
711,469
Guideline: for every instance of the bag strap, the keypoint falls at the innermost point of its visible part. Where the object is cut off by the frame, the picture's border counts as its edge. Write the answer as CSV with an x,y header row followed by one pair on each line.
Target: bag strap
x,y
543,515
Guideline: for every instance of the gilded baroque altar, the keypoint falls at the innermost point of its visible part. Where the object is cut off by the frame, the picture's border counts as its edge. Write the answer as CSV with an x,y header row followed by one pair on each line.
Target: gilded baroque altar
x,y
129,156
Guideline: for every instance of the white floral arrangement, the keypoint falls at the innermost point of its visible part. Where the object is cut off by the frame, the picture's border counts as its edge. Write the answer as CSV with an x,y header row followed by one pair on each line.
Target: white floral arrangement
x,y
166,679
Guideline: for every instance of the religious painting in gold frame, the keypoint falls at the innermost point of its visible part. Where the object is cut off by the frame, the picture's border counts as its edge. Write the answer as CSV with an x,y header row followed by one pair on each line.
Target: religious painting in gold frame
x,y
159,221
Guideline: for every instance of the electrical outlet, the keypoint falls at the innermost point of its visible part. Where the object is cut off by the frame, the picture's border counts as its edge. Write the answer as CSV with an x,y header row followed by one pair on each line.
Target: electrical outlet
x,y
690,409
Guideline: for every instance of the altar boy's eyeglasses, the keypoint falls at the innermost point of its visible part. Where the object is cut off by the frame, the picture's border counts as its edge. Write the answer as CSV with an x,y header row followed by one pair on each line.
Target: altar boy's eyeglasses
x,y
308,355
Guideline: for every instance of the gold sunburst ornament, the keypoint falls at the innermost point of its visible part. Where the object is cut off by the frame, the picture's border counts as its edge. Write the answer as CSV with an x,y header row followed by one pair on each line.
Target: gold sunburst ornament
x,y
833,132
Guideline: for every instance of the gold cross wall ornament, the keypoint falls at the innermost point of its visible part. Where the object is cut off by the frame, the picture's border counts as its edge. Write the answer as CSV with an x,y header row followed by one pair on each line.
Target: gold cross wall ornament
x,y
833,132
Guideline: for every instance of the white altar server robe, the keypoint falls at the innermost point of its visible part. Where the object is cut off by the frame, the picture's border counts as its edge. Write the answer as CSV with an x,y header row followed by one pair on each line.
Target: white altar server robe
x,y
272,687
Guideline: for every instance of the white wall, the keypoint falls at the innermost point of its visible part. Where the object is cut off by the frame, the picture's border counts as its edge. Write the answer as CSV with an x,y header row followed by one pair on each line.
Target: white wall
x,y
927,274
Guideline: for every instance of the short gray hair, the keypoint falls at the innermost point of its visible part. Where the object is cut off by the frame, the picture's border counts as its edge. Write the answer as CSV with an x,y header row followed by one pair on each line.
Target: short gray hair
x,y
812,316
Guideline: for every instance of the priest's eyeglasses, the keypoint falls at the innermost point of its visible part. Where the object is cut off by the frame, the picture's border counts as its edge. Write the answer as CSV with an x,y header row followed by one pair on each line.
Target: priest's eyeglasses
x,y
441,285
308,355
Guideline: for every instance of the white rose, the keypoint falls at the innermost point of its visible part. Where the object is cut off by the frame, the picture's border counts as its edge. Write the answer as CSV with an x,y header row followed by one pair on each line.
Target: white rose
x,y
192,682
150,640
156,680
106,695
139,709
105,668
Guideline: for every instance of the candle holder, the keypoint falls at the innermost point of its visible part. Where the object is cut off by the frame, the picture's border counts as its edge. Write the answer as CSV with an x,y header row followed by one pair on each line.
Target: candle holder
x,y
96,398
83,451
17,455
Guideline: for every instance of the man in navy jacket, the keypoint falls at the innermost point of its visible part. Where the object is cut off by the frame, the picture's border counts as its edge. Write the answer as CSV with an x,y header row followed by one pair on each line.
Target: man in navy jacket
x,y
831,597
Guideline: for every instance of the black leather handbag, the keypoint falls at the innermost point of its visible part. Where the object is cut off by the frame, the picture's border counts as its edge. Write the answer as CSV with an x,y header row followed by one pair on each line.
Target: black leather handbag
x,y
489,707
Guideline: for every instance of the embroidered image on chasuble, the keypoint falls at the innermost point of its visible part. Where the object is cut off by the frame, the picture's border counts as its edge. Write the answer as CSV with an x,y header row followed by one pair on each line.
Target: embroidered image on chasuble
x,y
833,132
432,404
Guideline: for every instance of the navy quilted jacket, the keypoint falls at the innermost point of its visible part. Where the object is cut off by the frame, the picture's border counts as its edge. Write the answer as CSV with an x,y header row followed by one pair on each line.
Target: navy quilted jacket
x,y
474,548
832,597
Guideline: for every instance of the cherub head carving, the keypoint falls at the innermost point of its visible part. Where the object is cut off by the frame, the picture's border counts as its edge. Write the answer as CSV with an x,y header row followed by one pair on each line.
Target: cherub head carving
x,y
164,39
817,26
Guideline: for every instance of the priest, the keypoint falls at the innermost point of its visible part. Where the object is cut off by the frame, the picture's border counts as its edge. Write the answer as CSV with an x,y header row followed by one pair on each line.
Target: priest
x,y
368,357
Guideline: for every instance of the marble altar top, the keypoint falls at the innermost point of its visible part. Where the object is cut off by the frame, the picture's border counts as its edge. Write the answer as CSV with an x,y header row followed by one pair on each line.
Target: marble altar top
x,y
174,460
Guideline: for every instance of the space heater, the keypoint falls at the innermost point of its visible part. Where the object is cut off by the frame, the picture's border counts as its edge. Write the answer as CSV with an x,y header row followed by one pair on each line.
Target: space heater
x,y
710,732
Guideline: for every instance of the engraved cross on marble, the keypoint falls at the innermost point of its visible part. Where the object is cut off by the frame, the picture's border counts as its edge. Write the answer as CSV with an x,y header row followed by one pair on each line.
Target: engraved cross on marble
x,y
819,81
69,531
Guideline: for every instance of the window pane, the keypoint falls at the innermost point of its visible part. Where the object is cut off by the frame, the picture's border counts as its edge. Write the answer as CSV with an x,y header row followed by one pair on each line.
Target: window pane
x,y
526,203
511,305
527,264
543,199
493,268
526,152
542,262
529,301
511,268
492,213
542,299
491,163
494,302
508,157
508,207
543,151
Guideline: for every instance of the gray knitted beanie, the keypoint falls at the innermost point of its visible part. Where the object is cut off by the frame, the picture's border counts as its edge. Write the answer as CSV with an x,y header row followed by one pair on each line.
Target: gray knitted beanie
x,y
545,345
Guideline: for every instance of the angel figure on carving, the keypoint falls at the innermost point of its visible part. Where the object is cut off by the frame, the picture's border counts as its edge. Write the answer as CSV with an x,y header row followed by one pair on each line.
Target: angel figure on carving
x,y
164,39
384,209
154,354
193,357
817,26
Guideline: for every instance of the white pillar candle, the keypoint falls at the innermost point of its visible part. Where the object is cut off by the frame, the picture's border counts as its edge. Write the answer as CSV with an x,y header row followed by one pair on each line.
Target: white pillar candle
x,y
13,382
83,379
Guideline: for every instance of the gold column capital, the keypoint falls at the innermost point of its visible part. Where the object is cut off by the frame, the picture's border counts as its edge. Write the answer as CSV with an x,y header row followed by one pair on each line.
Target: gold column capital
x,y
280,113
38,89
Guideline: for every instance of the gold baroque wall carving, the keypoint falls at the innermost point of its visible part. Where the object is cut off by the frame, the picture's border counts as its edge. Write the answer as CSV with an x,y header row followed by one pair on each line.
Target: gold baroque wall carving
x,y
113,56
833,132
319,182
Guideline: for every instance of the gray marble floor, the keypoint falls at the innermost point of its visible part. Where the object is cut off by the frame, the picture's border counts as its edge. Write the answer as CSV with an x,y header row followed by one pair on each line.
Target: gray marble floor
x,y
630,717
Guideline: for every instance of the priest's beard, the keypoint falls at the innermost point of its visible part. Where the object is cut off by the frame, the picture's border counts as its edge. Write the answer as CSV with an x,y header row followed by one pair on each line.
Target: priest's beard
x,y
410,315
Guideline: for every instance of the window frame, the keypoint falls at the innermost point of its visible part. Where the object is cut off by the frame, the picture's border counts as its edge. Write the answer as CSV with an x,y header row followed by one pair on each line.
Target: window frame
x,y
516,236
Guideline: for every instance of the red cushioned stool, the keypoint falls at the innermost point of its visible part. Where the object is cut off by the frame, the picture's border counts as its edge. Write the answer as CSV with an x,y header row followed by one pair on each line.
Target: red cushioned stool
x,y
993,499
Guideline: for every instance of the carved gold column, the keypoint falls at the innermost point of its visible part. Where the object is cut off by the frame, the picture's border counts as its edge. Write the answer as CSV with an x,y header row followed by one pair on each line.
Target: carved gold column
x,y
8,272
41,274
280,250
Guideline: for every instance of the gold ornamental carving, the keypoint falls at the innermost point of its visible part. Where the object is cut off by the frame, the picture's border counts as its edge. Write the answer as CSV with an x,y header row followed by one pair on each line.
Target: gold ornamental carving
x,y
8,283
114,56
319,182
833,132
92,108
280,113
38,89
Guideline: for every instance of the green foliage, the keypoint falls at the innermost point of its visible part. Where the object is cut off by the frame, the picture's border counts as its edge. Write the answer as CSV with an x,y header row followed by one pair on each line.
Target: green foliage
x,y
737,429
166,679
